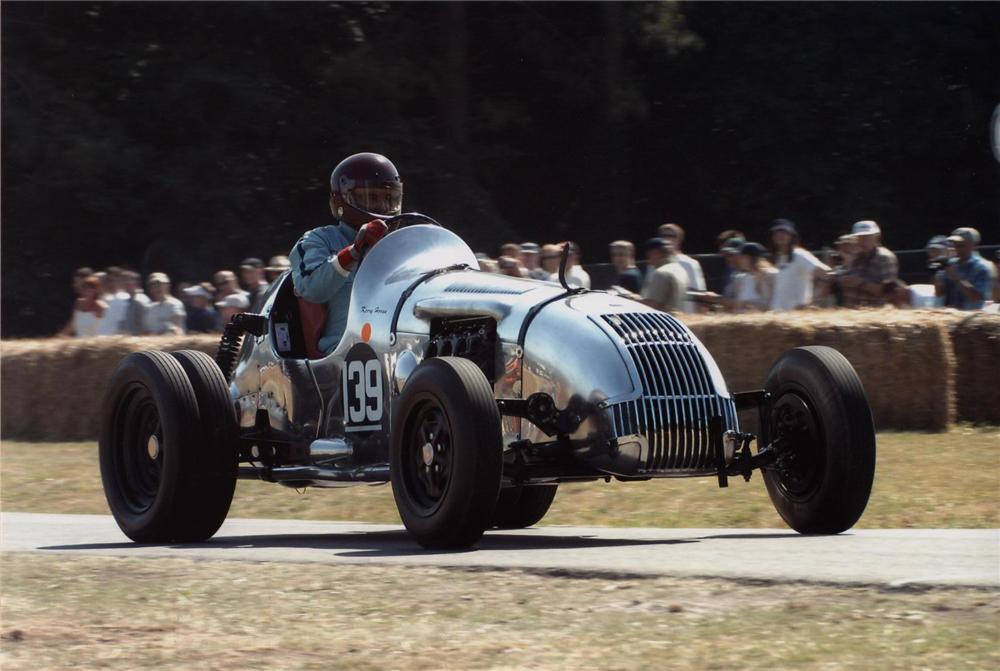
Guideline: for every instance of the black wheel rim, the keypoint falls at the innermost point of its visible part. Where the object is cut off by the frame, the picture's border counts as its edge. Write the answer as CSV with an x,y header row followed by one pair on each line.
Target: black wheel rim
x,y
137,449
799,436
427,456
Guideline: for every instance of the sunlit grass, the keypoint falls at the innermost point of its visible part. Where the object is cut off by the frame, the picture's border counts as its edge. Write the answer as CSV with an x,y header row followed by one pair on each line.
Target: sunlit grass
x,y
166,614
922,480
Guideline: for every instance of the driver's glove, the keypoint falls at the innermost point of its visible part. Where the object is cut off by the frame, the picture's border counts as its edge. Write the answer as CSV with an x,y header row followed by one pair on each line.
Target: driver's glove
x,y
368,235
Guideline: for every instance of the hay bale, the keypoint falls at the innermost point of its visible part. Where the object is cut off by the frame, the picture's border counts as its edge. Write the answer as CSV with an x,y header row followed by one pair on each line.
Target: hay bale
x,y
745,346
903,358
976,340
905,363
52,388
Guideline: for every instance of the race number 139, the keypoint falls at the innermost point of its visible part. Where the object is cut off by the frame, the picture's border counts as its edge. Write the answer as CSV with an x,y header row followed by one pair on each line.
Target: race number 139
x,y
362,391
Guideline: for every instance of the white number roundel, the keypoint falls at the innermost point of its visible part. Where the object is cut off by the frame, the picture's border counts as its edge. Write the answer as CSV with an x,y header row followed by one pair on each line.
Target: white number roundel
x,y
362,390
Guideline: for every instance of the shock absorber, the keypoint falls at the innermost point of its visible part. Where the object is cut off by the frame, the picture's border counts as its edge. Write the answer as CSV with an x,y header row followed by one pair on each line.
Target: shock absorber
x,y
232,340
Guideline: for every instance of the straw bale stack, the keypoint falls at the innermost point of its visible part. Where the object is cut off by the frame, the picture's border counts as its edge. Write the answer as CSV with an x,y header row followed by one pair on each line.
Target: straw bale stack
x,y
904,358
977,376
52,388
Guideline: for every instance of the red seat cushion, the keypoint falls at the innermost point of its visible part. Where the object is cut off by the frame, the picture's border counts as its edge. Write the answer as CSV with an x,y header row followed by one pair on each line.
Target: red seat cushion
x,y
313,318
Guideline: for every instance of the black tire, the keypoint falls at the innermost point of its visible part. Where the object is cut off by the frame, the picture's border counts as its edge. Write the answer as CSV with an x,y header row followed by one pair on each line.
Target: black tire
x,y
446,453
522,506
821,417
217,450
156,475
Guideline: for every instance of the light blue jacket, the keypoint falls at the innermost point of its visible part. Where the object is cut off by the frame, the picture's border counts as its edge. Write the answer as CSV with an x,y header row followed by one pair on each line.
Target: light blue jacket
x,y
318,277
976,270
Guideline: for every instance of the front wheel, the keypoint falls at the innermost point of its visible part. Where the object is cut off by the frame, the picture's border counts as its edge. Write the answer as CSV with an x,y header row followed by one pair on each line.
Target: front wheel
x,y
446,453
821,425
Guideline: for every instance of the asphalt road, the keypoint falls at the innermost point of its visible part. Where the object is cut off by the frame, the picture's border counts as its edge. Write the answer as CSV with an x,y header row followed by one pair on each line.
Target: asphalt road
x,y
885,557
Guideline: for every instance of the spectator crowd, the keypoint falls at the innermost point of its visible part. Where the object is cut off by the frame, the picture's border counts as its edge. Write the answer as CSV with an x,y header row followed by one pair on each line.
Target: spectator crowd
x,y
115,301
777,275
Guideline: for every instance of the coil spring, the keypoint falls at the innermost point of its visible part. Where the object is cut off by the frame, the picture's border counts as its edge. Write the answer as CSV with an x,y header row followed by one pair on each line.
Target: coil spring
x,y
229,349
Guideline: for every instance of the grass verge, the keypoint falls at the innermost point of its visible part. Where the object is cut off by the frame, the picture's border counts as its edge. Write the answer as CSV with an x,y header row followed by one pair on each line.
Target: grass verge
x,y
921,480
116,613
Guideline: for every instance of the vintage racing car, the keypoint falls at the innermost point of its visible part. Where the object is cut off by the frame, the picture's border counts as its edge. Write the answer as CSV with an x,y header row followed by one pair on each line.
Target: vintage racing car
x,y
475,395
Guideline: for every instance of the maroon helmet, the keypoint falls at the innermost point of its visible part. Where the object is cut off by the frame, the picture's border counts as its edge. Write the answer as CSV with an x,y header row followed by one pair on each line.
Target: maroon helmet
x,y
364,187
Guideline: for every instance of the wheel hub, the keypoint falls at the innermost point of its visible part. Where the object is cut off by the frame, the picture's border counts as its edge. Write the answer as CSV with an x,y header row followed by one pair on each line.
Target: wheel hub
x,y
428,456
137,449
153,447
800,464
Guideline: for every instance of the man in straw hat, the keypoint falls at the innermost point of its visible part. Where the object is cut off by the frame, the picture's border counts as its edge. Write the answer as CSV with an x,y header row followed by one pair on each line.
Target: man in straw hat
x,y
872,268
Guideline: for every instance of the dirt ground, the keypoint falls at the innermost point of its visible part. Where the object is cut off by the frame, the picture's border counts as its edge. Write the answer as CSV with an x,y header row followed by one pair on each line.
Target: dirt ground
x,y
113,613
921,480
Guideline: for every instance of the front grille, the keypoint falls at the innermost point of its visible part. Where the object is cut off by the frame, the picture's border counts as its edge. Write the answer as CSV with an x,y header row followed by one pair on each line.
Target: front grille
x,y
678,396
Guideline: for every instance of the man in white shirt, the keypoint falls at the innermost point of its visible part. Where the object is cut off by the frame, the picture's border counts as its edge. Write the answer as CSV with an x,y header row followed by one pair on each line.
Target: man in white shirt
x,y
117,299
666,286
576,276
164,314
695,277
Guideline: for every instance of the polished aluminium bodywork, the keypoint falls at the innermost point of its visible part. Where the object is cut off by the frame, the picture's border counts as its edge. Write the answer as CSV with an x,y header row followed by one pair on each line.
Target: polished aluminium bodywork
x,y
646,386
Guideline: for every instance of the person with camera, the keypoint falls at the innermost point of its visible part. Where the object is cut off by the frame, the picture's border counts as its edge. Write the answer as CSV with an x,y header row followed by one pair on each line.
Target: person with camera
x,y
872,268
966,281
938,251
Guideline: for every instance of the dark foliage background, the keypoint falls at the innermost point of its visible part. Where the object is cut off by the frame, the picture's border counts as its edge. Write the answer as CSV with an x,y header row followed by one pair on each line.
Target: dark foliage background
x,y
183,137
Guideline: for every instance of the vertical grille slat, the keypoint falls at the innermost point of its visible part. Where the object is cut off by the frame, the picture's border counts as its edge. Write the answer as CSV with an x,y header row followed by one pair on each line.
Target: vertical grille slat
x,y
659,401
678,395
685,443
700,403
649,389
691,445
669,388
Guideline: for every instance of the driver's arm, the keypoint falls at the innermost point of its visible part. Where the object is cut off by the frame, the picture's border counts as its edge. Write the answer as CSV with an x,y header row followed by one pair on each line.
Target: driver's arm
x,y
321,264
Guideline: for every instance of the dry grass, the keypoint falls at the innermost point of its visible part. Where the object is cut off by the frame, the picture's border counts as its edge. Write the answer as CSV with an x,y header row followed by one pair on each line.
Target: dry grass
x,y
177,614
921,480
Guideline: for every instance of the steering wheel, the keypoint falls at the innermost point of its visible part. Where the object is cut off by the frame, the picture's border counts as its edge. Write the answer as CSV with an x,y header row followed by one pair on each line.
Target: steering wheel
x,y
408,219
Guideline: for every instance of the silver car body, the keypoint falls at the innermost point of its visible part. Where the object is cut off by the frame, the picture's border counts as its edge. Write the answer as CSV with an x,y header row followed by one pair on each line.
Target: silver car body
x,y
651,387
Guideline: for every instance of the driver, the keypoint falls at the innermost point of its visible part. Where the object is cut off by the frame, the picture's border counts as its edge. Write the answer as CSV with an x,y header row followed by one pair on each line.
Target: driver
x,y
364,189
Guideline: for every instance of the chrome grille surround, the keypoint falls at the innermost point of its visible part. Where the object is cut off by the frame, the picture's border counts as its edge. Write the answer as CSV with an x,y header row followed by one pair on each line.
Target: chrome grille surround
x,y
678,394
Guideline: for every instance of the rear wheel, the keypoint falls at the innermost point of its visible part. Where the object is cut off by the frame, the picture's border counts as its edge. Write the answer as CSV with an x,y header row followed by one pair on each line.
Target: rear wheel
x,y
522,506
216,451
822,425
160,466
446,453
